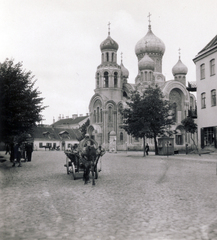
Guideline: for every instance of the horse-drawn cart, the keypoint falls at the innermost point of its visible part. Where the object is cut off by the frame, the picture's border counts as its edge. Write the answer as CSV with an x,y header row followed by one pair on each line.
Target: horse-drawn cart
x,y
75,163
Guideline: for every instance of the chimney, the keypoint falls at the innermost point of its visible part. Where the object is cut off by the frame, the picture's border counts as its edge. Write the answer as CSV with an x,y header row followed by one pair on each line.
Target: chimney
x,y
87,114
81,115
59,117
74,116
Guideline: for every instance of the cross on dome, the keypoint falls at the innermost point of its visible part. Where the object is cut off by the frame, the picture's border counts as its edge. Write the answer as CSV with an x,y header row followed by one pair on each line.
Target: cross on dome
x,y
179,52
149,20
109,28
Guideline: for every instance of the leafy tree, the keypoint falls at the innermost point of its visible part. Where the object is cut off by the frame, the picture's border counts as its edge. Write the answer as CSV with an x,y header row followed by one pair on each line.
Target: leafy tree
x,y
83,129
148,115
191,127
20,104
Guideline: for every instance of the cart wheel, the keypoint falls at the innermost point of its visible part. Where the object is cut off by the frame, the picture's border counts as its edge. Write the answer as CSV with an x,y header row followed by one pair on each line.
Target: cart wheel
x,y
96,173
73,171
67,165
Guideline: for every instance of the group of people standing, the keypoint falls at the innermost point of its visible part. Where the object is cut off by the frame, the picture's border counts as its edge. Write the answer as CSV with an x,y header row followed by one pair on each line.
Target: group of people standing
x,y
18,151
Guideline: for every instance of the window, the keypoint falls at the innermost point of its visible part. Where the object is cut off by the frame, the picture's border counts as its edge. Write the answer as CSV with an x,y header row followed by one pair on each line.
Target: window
x,y
213,97
112,57
203,100
101,115
121,137
115,79
202,71
97,80
209,138
146,76
174,111
106,83
212,67
110,114
179,136
107,56
97,114
94,116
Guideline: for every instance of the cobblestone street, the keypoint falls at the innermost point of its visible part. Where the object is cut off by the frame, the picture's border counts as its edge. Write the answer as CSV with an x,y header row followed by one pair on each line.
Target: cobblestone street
x,y
153,198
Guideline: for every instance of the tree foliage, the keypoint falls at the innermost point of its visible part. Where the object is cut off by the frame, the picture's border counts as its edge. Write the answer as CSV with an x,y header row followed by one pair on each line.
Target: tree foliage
x,y
83,129
20,104
191,127
148,115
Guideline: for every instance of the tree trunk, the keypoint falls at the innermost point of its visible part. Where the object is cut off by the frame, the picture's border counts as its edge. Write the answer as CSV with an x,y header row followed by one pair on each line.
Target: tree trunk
x,y
144,146
155,145
195,145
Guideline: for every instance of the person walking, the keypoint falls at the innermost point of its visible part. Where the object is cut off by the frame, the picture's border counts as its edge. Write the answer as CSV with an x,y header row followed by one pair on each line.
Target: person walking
x,y
29,150
7,149
17,155
147,149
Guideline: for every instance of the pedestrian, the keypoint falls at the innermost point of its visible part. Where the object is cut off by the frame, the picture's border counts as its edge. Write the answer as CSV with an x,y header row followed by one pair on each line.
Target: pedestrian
x,y
23,151
17,154
7,149
12,152
29,150
146,149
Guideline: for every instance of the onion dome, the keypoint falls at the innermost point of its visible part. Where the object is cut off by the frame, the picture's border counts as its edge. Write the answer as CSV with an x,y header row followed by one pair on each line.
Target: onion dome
x,y
109,44
150,44
179,68
124,71
146,63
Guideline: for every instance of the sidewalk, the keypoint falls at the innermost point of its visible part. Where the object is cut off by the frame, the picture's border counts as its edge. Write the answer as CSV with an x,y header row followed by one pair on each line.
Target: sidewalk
x,y
210,157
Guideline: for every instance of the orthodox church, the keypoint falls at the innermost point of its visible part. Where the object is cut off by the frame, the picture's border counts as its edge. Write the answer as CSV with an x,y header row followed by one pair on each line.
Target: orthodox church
x,y
112,90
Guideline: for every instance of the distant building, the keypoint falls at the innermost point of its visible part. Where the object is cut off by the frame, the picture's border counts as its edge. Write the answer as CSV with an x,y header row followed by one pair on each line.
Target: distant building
x,y
75,122
112,90
52,138
206,78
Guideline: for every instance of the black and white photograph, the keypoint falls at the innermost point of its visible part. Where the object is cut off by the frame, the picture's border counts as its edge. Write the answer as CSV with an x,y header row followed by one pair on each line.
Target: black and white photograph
x,y
108,120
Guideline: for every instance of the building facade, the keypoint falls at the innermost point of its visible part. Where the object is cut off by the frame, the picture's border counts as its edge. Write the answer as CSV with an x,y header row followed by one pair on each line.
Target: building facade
x,y
206,79
112,90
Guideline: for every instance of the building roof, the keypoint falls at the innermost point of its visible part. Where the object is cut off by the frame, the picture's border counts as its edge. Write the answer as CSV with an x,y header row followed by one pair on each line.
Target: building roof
x,y
52,133
69,121
211,44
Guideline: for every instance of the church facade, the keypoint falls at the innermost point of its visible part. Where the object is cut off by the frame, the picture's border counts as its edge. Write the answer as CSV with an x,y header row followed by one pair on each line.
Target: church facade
x,y
112,90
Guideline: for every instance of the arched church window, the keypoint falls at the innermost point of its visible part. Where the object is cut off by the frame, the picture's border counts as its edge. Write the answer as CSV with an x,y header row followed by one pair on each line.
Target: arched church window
x,y
110,119
124,94
107,56
97,114
94,116
179,137
146,76
112,57
174,111
106,82
121,137
150,76
97,80
101,115
115,79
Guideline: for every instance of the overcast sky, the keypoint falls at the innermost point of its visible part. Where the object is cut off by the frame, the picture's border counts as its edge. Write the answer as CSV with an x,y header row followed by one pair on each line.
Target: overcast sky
x,y
58,40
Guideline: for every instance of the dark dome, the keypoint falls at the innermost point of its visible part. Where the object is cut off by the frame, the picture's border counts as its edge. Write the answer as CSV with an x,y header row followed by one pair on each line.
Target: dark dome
x,y
109,44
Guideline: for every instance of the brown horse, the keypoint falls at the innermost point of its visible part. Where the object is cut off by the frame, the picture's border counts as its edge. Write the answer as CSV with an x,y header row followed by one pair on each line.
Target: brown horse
x,y
90,157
